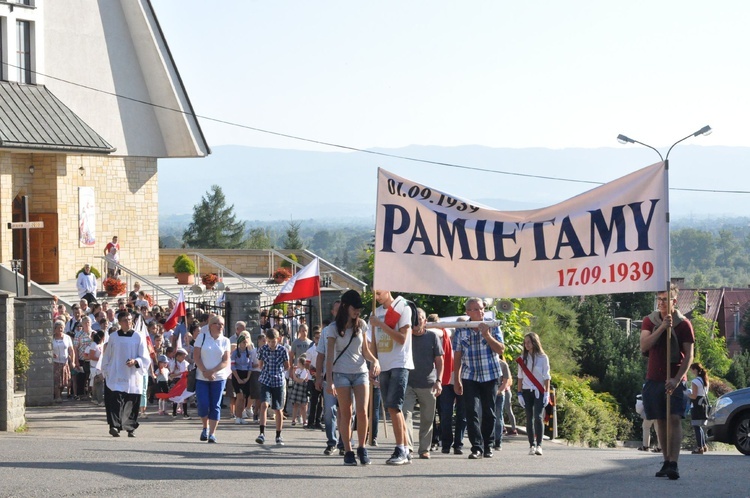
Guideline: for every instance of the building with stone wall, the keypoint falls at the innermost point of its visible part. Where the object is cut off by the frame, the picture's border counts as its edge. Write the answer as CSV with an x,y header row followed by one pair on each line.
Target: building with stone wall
x,y
90,99
76,124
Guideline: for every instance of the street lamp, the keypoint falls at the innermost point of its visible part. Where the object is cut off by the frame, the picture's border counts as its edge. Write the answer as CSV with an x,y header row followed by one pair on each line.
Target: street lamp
x,y
625,140
15,265
706,130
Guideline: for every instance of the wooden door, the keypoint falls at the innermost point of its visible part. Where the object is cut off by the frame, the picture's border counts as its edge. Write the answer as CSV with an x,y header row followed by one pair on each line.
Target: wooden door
x,y
43,253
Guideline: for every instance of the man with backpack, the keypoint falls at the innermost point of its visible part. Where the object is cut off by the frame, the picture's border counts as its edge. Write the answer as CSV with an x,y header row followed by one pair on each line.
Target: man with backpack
x,y
391,337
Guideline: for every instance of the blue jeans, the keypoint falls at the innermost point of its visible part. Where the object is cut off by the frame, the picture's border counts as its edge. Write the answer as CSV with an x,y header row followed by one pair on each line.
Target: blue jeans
x,y
446,401
329,416
700,436
499,420
534,417
375,411
208,398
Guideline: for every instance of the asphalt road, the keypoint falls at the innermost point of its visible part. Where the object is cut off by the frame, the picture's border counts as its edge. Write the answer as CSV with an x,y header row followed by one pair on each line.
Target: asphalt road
x,y
68,452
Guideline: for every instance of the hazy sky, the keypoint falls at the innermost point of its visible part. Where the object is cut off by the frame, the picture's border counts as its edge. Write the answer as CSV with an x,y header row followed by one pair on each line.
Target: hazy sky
x,y
496,73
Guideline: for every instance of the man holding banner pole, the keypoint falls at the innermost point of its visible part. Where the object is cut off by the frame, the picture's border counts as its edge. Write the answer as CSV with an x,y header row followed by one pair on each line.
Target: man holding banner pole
x,y
477,367
392,333
667,332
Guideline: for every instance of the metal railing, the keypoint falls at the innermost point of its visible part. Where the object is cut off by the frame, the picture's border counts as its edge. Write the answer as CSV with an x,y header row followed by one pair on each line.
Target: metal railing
x,y
131,275
223,269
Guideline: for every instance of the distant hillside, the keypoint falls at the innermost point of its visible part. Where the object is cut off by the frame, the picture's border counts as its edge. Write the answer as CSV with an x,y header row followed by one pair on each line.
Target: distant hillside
x,y
276,184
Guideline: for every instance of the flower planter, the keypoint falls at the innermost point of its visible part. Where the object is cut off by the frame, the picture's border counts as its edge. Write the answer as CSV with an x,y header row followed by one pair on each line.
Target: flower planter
x,y
185,278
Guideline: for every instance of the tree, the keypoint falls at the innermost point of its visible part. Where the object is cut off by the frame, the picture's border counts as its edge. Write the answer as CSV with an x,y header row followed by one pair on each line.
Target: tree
x,y
710,347
691,247
259,238
555,321
214,225
292,238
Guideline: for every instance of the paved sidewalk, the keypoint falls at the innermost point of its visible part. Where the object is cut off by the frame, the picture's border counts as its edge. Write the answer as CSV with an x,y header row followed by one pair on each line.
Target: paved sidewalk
x,y
68,452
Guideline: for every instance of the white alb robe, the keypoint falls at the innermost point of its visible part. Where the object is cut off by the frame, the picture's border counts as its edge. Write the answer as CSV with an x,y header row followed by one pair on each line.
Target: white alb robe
x,y
121,347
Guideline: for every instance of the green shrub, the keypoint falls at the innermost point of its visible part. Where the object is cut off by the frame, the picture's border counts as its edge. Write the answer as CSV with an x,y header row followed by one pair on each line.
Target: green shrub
x,y
93,270
287,264
587,417
21,357
183,264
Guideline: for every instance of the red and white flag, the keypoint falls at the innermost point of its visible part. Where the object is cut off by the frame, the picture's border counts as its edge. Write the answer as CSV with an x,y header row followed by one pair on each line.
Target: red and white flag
x,y
177,312
305,284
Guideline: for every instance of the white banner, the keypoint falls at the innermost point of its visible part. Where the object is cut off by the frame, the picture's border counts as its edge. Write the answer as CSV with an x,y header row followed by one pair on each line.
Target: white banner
x,y
611,239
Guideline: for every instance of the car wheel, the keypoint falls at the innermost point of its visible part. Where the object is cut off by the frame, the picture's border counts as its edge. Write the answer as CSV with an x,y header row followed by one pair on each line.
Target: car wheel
x,y
741,434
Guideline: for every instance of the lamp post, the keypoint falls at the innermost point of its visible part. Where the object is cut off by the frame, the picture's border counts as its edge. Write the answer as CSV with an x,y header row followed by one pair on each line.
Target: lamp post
x,y
15,265
706,130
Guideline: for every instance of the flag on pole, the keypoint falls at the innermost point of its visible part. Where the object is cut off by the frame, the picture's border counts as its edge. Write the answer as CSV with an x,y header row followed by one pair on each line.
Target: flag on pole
x,y
177,312
305,284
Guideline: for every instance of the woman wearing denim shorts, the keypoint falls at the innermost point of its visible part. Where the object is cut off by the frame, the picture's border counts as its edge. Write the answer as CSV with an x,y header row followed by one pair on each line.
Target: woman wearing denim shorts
x,y
347,372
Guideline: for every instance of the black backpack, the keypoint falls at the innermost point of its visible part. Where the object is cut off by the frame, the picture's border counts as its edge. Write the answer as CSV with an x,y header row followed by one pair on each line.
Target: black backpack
x,y
414,314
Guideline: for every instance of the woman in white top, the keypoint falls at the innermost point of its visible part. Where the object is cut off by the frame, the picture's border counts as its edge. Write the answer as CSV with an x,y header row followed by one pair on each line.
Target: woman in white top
x,y
346,371
63,359
211,355
699,394
533,395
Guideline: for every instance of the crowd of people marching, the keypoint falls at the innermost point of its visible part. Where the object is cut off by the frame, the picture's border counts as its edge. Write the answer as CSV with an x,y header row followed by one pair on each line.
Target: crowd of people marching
x,y
340,379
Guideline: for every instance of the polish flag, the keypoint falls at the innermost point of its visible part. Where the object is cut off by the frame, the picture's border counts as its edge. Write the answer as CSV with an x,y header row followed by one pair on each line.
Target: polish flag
x,y
305,284
177,312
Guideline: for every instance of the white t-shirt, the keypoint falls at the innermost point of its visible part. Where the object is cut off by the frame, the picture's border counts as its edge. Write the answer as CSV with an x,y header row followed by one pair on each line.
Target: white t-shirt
x,y
698,388
391,354
303,374
212,351
60,349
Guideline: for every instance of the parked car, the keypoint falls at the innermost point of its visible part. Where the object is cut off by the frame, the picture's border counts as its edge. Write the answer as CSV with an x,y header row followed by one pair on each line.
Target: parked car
x,y
730,420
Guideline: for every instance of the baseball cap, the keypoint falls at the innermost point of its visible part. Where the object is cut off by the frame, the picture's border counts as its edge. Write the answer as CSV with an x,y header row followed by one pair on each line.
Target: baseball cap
x,y
352,298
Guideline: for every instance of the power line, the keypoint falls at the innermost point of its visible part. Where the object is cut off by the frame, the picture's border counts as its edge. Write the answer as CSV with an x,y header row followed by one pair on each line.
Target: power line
x,y
356,149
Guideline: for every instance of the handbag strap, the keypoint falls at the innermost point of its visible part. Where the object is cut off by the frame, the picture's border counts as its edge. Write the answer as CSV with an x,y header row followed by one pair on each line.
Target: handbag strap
x,y
530,375
345,348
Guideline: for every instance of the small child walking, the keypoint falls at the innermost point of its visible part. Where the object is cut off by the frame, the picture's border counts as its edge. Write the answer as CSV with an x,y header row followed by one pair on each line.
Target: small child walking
x,y
298,393
274,361
180,365
162,381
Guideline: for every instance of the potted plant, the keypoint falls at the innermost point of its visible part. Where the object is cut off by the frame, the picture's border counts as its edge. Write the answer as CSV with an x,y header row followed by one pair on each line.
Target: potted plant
x,y
209,280
184,269
21,362
114,286
287,264
281,275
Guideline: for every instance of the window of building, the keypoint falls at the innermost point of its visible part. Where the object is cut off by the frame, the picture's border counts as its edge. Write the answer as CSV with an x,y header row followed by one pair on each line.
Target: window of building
x,y
23,61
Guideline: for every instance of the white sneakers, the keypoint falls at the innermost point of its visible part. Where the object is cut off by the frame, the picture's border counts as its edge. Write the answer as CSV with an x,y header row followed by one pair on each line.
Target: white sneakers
x,y
539,450
532,450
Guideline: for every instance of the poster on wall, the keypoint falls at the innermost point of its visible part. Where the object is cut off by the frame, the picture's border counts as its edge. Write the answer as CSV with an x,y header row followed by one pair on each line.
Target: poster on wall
x,y
86,217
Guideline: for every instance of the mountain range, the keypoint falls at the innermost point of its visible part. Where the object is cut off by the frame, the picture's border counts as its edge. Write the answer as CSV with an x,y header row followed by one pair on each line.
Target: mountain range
x,y
281,184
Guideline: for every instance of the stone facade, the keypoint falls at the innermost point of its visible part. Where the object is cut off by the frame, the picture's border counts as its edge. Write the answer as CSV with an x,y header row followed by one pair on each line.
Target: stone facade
x,y
12,408
126,199
34,325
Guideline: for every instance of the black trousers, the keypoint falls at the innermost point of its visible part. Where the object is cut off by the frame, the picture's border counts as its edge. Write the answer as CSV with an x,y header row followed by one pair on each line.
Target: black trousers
x,y
316,404
122,409
479,400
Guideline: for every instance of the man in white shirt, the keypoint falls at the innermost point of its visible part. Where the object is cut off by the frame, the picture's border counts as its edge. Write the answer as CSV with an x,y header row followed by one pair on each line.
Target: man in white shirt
x,y
392,347
86,284
124,363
